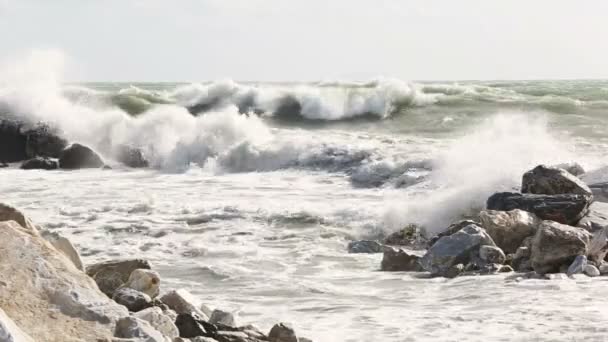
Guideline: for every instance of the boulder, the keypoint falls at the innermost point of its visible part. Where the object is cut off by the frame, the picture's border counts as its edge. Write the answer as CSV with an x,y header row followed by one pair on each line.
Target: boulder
x,y
145,281
453,228
545,180
282,333
45,295
222,317
556,244
43,141
40,163
159,321
181,301
78,156
366,246
189,326
132,327
134,300
508,229
454,271
573,168
565,208
521,259
455,249
591,271
398,259
596,219
578,265
65,246
10,332
110,275
492,255
12,142
8,213
410,236
131,156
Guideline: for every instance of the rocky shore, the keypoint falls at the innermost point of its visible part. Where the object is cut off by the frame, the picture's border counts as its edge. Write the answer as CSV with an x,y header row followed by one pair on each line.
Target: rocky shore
x,y
47,294
552,226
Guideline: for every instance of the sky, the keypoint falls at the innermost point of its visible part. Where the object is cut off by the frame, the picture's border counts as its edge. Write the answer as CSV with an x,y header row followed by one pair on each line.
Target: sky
x,y
309,40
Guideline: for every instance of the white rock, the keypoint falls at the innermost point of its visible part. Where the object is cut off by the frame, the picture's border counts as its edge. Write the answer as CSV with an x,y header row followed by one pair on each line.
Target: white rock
x,y
8,213
46,295
159,321
10,332
144,281
65,246
591,271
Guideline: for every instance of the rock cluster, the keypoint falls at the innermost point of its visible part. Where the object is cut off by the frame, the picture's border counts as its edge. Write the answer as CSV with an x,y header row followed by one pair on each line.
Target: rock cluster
x,y
46,296
552,226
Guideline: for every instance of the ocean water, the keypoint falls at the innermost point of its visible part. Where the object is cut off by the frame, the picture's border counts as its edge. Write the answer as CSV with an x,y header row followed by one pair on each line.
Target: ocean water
x,y
250,204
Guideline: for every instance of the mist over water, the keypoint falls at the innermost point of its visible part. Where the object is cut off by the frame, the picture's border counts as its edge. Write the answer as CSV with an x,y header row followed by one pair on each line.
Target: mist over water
x,y
255,189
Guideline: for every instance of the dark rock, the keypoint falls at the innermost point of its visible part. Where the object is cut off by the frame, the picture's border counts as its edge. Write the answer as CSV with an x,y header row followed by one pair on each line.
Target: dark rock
x,y
492,254
110,275
397,259
457,248
131,156
43,141
40,163
282,333
565,208
134,300
189,326
556,244
78,156
12,142
366,246
544,180
453,228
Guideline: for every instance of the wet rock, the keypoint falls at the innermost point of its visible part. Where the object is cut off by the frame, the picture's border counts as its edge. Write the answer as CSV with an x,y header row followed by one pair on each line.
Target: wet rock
x,y
222,317
573,168
553,181
591,271
10,332
65,246
132,327
282,333
398,259
596,219
189,326
78,156
145,281
9,213
578,265
366,246
508,229
410,236
12,142
134,300
505,269
181,301
44,141
159,321
110,275
131,156
37,279
565,208
40,163
492,254
454,271
555,244
455,249
453,228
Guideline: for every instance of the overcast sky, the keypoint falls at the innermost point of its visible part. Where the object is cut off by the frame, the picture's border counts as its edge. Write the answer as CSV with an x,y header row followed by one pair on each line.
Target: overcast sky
x,y
282,40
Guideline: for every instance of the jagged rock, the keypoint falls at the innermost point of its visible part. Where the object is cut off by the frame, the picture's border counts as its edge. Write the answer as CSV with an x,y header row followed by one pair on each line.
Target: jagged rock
x,y
65,246
455,249
222,317
366,246
573,168
78,156
131,156
132,327
40,163
10,332
37,280
43,141
453,228
508,229
596,219
145,281
492,254
110,275
565,208
591,271
544,180
555,244
410,236
180,301
134,300
8,213
159,321
282,333
398,259
578,265
189,326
